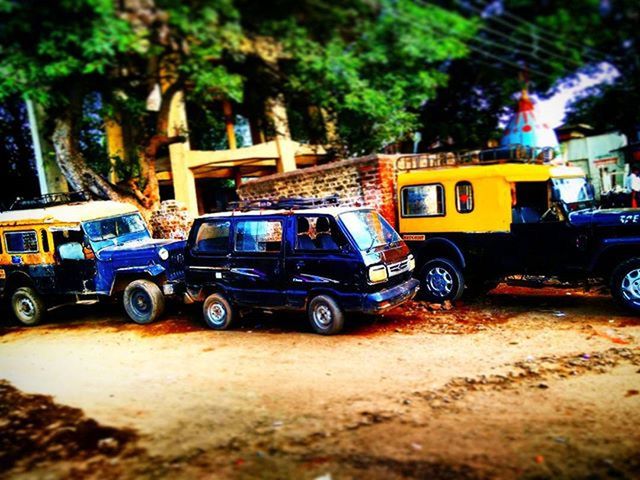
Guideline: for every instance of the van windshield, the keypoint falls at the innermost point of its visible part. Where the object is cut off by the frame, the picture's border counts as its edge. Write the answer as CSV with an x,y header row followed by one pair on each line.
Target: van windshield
x,y
369,229
574,192
116,228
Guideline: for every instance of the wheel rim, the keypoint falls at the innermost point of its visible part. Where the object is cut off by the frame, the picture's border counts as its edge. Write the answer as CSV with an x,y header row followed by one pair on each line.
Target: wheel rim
x,y
25,307
217,313
141,302
439,281
631,286
322,315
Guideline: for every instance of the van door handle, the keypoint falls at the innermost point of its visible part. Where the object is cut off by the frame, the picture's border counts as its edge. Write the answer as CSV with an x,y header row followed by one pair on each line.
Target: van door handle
x,y
299,265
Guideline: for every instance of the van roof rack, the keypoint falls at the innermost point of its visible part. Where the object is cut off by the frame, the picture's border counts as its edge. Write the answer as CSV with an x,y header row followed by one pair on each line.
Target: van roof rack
x,y
283,203
49,200
508,154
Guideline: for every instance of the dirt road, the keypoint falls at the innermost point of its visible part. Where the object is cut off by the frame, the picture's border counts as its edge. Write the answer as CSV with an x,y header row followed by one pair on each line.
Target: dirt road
x,y
526,384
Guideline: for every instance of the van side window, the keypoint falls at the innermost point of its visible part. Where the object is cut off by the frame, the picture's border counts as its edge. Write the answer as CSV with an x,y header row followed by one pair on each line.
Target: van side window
x,y
213,237
263,236
464,197
21,242
317,233
44,237
423,201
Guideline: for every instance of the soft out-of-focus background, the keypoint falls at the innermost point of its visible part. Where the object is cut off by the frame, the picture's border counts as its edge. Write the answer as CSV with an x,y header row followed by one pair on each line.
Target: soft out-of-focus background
x,y
110,96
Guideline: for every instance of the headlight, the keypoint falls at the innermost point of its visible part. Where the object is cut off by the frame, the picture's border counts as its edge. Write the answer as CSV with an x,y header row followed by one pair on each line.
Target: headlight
x,y
411,263
377,274
163,253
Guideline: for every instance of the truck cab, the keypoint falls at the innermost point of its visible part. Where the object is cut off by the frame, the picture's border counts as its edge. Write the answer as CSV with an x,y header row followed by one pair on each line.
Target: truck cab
x,y
325,260
58,249
471,225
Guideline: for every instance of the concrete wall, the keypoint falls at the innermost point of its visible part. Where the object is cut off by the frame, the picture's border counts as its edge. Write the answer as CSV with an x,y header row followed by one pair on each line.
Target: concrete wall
x,y
361,181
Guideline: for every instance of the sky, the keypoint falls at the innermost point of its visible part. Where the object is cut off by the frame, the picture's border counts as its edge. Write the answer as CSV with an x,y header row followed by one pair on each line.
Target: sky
x,y
553,109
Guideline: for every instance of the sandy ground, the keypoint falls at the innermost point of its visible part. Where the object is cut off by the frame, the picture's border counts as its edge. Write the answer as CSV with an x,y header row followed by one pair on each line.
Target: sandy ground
x,y
523,384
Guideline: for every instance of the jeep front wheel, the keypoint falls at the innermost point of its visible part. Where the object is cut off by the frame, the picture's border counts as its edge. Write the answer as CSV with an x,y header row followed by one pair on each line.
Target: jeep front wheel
x,y
625,284
27,306
325,315
143,301
441,280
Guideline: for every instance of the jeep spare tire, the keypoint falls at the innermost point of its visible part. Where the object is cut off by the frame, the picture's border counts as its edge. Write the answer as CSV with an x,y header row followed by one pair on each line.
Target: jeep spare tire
x,y
143,301
325,315
440,280
27,306
218,313
625,284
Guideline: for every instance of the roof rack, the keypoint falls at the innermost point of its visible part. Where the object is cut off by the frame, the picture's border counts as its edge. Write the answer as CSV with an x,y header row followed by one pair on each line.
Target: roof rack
x,y
49,200
508,154
291,203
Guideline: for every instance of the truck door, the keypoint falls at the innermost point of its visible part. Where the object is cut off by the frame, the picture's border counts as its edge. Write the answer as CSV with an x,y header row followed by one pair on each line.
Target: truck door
x,y
256,274
539,237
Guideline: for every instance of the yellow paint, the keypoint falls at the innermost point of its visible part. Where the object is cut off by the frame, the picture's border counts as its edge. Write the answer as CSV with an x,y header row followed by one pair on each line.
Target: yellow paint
x,y
115,145
491,195
39,258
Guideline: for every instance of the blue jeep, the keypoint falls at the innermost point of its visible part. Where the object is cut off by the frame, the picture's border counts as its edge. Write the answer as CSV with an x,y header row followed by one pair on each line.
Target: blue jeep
x,y
56,252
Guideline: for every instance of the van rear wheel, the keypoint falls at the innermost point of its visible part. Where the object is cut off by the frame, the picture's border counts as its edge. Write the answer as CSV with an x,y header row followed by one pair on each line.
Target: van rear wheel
x,y
218,313
441,280
325,315
143,301
27,306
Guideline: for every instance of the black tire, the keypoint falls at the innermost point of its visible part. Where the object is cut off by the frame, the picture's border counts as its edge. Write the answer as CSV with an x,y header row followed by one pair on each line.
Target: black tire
x,y
27,306
625,284
218,312
440,280
143,301
325,315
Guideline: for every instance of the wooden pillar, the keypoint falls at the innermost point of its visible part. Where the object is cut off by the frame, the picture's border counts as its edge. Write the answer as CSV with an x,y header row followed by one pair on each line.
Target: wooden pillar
x,y
184,183
229,124
237,176
286,161
50,177
115,145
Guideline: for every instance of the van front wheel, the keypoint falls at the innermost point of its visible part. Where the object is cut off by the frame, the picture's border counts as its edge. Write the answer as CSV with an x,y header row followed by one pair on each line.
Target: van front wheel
x,y
441,280
325,315
625,284
143,301
27,306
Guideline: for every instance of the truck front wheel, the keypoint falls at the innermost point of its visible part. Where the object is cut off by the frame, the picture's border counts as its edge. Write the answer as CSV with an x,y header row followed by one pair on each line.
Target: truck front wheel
x,y
441,280
625,284
143,301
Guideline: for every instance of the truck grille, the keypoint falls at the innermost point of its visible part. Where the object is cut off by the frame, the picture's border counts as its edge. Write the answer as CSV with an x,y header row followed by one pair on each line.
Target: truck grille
x,y
176,265
398,268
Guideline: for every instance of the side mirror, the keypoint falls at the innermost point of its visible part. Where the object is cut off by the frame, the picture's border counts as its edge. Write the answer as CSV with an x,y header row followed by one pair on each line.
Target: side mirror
x,y
71,251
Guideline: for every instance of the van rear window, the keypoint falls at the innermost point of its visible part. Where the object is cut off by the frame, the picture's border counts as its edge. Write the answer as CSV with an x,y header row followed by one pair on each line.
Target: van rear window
x,y
21,242
213,237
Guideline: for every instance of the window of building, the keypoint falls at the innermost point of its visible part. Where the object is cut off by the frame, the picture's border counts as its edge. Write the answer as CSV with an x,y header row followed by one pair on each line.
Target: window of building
x,y
21,242
264,236
213,237
423,200
464,197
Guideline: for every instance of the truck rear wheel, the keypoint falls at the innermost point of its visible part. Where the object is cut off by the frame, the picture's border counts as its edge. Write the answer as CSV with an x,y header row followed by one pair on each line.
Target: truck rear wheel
x,y
27,306
143,301
625,284
325,315
441,280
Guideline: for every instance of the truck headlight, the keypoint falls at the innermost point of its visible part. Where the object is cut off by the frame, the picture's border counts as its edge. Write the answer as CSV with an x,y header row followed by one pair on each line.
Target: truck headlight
x,y
378,273
411,263
163,253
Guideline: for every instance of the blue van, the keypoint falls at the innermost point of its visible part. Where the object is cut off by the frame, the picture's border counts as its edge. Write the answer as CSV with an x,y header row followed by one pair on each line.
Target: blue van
x,y
326,261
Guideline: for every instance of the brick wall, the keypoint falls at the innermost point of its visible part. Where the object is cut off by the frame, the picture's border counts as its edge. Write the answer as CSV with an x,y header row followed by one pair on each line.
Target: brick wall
x,y
172,220
360,181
